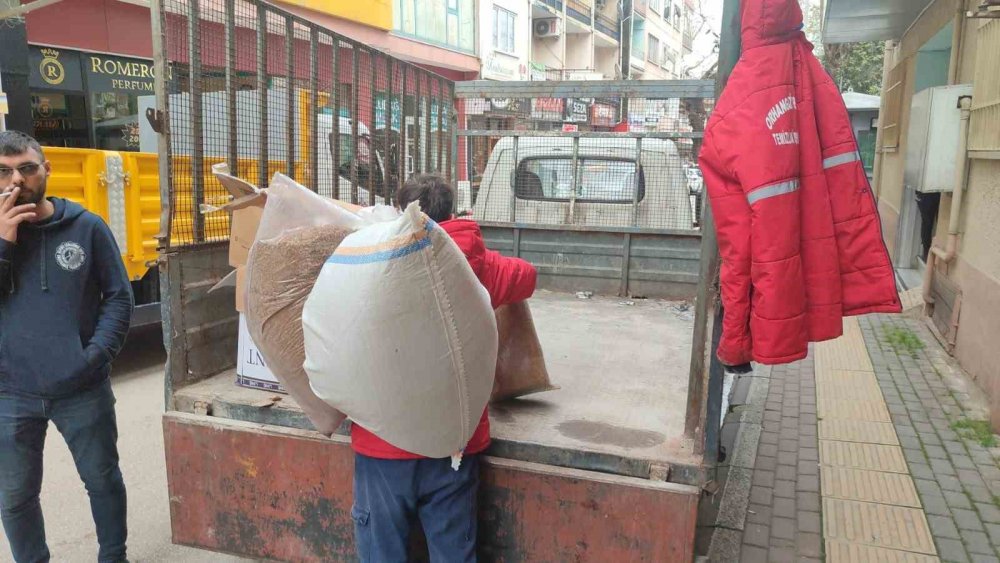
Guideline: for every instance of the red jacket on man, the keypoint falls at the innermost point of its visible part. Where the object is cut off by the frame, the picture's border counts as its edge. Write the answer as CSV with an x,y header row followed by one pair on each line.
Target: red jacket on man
x,y
508,280
799,235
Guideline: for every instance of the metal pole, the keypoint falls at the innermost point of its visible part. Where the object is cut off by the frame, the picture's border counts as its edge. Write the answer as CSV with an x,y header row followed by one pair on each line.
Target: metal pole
x,y
335,102
290,98
356,93
427,125
388,112
233,153
404,149
705,378
440,124
313,142
157,19
197,137
372,88
452,166
262,152
576,180
627,242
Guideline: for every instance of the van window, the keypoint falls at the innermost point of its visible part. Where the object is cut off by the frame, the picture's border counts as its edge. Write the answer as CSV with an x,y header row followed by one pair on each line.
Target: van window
x,y
600,180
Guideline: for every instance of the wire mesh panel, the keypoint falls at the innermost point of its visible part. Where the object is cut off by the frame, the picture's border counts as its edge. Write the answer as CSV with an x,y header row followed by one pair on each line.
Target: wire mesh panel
x,y
265,91
587,160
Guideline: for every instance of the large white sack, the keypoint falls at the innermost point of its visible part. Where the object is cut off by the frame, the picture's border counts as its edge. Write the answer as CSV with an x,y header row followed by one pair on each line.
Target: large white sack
x,y
400,336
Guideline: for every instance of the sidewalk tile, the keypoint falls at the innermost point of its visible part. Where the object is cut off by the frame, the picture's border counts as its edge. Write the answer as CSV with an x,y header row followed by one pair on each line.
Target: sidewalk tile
x,y
862,456
879,525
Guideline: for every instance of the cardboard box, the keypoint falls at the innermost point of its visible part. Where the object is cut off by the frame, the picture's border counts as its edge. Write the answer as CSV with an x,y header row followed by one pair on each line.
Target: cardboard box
x,y
247,213
251,370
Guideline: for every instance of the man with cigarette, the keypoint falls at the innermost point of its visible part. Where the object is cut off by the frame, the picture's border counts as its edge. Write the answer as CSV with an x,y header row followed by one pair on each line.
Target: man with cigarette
x,y
65,308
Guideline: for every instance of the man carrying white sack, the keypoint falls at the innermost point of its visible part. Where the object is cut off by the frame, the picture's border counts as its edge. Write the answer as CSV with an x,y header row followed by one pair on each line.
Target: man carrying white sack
x,y
392,487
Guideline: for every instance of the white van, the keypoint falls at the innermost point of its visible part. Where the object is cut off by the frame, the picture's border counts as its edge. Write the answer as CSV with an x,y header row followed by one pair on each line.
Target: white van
x,y
606,194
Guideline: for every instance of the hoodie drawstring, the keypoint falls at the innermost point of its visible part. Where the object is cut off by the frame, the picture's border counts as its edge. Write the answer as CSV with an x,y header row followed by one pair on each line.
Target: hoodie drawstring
x,y
45,277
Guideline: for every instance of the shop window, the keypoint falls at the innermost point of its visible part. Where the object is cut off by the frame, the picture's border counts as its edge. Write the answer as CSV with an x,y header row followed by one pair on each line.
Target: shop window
x,y
448,23
116,120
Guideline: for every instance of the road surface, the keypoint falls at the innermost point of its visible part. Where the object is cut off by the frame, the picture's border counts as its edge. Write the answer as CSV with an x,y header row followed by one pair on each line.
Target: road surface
x,y
138,385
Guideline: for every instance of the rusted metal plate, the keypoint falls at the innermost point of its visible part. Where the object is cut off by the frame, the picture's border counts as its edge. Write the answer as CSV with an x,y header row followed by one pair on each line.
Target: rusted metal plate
x,y
285,494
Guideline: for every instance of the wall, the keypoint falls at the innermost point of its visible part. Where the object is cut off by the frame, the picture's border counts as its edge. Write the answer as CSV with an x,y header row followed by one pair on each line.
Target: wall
x,y
579,50
606,62
932,69
505,66
976,269
890,187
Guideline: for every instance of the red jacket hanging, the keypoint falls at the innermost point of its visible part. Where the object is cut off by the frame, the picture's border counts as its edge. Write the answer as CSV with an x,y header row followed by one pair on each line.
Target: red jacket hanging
x,y
508,280
799,234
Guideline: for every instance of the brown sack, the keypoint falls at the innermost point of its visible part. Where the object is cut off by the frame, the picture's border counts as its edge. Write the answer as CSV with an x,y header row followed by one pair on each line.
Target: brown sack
x,y
520,362
281,273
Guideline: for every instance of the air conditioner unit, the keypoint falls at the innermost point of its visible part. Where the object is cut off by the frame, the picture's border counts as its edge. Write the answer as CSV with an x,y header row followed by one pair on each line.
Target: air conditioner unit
x,y
548,27
601,4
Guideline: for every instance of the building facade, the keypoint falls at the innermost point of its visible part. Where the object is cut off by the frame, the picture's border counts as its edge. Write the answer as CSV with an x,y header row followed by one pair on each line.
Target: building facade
x,y
943,231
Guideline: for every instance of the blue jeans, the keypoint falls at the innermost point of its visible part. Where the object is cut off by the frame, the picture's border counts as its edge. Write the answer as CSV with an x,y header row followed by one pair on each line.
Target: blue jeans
x,y
87,423
390,494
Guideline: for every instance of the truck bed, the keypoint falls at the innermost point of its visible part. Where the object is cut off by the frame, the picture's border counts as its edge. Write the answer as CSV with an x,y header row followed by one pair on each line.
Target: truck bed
x,y
622,371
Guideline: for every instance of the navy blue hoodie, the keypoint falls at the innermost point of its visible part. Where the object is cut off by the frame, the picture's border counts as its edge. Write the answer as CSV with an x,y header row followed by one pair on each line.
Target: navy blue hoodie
x,y
65,304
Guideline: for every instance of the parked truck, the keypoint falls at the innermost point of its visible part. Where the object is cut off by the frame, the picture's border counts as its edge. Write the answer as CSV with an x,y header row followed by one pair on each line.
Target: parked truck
x,y
605,468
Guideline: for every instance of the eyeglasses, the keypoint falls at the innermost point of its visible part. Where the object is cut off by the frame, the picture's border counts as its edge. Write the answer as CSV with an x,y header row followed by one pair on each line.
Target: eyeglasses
x,y
26,170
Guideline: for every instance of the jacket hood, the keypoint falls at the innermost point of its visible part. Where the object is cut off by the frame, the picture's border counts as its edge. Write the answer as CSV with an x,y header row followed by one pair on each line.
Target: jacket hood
x,y
452,226
766,22
65,212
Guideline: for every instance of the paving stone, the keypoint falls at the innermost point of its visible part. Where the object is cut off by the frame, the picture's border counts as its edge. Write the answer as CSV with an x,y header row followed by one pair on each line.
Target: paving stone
x,y
785,489
927,487
809,544
783,528
933,452
967,519
788,446
757,534
971,478
988,512
916,456
768,438
808,468
930,440
943,527
935,504
807,501
954,448
785,472
963,461
979,494
766,462
952,551
949,482
941,466
980,558
763,478
753,554
761,495
788,458
767,450
808,483
921,471
957,500
977,542
809,454
923,427
759,514
781,555
994,532
911,442
783,508
808,521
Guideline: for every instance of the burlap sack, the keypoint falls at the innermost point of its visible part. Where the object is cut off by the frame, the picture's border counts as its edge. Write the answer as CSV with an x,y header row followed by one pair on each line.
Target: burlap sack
x,y
520,362
281,273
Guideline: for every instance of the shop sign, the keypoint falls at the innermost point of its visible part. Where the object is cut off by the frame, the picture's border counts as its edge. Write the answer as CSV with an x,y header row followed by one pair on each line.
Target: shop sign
x,y
536,71
503,67
576,110
54,69
547,109
107,73
603,115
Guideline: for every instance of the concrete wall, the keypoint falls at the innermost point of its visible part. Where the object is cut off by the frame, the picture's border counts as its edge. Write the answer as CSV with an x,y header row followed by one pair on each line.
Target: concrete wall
x,y
976,269
580,50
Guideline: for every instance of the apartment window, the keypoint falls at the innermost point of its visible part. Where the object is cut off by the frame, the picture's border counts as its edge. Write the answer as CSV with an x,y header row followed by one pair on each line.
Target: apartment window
x,y
447,23
653,53
655,5
677,16
503,29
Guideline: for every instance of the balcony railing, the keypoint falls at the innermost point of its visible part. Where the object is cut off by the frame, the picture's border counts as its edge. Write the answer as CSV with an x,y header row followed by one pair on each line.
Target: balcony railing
x,y
580,10
557,4
608,25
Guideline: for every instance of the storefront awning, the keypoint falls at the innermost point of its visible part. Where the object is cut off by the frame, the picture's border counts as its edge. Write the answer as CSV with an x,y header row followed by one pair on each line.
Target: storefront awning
x,y
849,21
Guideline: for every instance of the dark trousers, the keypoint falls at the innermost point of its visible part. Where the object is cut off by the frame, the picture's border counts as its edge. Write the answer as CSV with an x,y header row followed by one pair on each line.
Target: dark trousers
x,y
87,423
390,495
